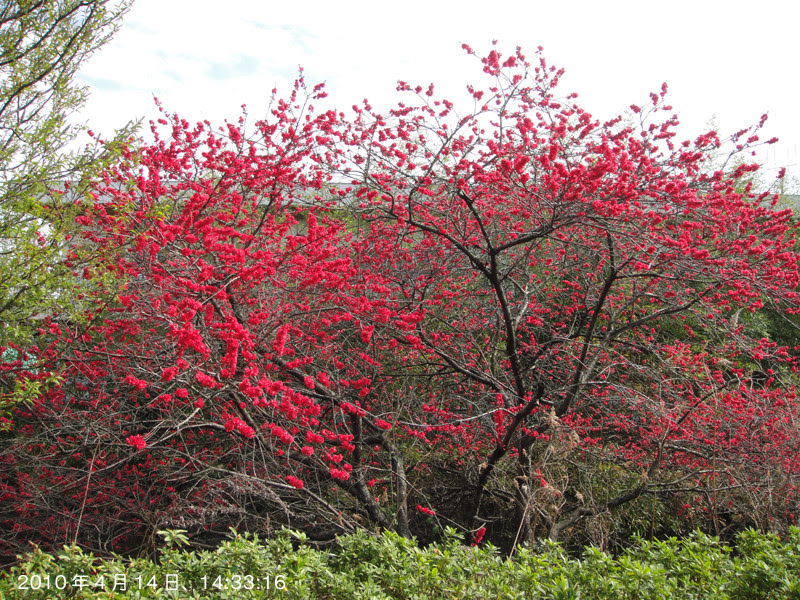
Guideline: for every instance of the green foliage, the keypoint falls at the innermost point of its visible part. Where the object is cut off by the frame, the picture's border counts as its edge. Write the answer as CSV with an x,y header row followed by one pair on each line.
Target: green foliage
x,y
43,43
362,566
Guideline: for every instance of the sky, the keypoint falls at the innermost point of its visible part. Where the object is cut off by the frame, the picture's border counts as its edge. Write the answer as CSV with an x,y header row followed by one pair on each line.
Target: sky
x,y
725,63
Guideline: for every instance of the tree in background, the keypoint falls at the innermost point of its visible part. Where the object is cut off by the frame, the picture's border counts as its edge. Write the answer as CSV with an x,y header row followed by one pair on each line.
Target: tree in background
x,y
42,181
515,320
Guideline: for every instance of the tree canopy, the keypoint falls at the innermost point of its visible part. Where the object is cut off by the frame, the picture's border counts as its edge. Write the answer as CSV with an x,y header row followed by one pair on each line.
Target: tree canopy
x,y
42,178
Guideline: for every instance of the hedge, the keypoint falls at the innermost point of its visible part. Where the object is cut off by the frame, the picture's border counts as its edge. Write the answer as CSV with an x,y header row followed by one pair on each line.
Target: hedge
x,y
362,566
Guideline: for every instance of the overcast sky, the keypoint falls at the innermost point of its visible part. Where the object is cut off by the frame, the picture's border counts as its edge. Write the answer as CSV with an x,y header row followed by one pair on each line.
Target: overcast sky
x,y
728,61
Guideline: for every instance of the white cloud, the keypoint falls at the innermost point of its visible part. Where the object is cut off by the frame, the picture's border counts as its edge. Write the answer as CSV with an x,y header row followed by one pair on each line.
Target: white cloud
x,y
204,59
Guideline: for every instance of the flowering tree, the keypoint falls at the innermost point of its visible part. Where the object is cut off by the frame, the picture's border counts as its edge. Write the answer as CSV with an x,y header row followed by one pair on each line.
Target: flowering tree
x,y
581,286
516,311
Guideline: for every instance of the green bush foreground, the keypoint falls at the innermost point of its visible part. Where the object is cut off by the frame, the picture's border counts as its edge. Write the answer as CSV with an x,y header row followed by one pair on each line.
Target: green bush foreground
x,y
362,566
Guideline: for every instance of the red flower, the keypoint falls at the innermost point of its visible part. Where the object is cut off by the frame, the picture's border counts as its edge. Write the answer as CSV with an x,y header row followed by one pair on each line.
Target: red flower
x,y
137,383
169,373
137,441
314,438
339,474
478,536
206,380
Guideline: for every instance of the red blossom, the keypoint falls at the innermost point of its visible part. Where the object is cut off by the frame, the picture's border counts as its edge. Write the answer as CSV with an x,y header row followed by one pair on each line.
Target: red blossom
x,y
206,380
295,482
340,474
137,441
476,539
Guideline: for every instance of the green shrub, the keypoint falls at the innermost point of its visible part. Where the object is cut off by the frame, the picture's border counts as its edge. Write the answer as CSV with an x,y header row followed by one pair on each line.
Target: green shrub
x,y
362,566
